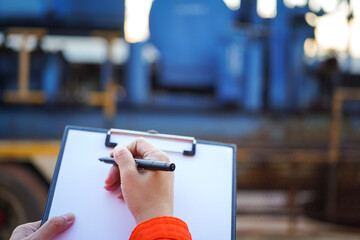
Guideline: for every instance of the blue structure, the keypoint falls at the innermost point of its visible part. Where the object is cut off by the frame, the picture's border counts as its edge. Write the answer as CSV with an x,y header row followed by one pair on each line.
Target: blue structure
x,y
200,48
138,77
189,35
210,56
62,16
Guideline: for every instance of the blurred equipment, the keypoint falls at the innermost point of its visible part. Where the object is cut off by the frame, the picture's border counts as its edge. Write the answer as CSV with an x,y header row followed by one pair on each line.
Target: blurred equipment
x,y
63,16
24,94
252,72
200,54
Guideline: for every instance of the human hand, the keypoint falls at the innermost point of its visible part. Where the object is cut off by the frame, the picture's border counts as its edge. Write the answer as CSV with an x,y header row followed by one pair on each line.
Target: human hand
x,y
148,194
33,230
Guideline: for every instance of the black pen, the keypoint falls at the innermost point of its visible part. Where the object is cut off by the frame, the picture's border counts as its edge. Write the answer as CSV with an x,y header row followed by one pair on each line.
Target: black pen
x,y
144,164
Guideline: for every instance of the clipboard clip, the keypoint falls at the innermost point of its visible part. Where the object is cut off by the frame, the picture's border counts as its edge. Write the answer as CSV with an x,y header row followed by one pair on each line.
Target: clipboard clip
x,y
151,135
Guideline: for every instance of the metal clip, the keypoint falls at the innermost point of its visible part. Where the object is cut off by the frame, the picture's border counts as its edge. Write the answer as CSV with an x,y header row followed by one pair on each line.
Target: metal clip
x,y
151,135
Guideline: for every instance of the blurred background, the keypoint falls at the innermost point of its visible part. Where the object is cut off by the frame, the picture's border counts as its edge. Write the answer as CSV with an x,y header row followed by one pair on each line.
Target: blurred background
x,y
279,78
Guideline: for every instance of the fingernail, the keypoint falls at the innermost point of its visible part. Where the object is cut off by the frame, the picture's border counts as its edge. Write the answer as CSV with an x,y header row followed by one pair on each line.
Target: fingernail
x,y
69,217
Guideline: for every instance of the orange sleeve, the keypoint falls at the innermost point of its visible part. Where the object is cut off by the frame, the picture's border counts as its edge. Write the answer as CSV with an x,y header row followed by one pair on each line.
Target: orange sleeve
x,y
161,228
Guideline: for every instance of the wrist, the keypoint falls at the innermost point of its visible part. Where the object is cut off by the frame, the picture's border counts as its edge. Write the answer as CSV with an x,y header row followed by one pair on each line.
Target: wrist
x,y
153,213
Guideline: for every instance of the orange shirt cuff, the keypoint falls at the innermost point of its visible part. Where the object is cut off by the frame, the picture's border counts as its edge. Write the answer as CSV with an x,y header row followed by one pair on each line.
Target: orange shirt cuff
x,y
161,228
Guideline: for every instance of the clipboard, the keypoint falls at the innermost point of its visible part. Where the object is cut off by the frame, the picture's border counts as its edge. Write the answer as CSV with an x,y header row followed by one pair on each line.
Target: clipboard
x,y
204,190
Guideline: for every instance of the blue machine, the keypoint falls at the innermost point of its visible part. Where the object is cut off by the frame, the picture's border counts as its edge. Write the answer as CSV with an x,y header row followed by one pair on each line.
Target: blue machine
x,y
200,47
235,57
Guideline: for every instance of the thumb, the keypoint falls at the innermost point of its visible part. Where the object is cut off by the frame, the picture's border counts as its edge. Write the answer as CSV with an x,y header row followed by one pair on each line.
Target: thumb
x,y
54,226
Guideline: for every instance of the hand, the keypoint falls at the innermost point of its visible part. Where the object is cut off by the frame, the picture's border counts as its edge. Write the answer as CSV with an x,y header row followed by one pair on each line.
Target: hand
x,y
148,194
54,226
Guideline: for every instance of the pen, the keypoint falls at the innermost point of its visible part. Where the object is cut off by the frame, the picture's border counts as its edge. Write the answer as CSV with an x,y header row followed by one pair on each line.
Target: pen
x,y
144,164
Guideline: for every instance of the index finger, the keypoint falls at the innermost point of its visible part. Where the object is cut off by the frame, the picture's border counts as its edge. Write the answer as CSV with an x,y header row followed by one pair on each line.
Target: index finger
x,y
148,151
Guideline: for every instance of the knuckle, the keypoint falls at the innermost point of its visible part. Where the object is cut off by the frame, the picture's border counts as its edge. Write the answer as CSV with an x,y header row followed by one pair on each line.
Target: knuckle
x,y
141,140
163,156
120,151
152,153
159,155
